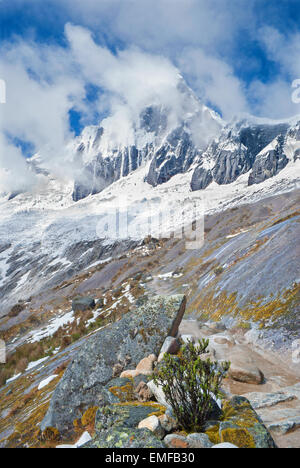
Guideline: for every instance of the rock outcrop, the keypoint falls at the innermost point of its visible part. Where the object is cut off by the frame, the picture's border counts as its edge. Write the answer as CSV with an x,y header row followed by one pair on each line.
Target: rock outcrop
x,y
242,147
241,426
138,334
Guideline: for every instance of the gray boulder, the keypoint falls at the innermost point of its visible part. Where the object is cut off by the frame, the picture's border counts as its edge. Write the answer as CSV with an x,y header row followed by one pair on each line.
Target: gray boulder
x,y
80,304
140,333
121,416
125,438
244,428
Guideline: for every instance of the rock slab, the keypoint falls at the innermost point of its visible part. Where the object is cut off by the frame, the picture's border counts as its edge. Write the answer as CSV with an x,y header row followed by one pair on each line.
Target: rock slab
x,y
138,334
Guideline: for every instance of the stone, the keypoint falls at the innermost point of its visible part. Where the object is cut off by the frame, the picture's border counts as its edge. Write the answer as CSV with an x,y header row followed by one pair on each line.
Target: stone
x,y
265,400
201,178
123,438
158,393
124,415
246,373
143,392
224,340
225,445
216,326
117,370
199,440
80,304
285,426
176,441
170,346
66,446
243,367
153,424
244,428
168,421
269,162
146,365
139,333
129,374
293,390
281,420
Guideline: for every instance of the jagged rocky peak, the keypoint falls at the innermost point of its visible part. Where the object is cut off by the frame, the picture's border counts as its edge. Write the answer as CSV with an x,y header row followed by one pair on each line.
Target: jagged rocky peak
x,y
168,136
242,147
175,138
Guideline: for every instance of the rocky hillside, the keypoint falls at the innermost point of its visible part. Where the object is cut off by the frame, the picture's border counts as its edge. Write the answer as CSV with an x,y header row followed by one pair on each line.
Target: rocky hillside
x,y
245,278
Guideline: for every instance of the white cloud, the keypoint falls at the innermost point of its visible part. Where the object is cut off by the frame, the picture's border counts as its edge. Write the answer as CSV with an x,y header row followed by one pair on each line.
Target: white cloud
x,y
41,89
45,82
274,99
214,80
157,40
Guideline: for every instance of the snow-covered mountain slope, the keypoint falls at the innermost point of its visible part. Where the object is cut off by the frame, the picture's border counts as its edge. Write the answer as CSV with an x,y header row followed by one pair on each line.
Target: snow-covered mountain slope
x,y
155,175
46,237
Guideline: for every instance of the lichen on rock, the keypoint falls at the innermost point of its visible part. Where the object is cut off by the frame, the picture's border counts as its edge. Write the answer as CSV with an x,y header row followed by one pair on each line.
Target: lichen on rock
x,y
85,383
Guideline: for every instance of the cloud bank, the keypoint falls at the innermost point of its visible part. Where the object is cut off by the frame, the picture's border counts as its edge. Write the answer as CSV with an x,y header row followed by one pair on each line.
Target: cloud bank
x,y
133,52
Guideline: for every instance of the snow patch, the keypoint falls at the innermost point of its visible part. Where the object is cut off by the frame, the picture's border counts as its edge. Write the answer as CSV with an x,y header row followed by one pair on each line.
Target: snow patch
x,y
46,382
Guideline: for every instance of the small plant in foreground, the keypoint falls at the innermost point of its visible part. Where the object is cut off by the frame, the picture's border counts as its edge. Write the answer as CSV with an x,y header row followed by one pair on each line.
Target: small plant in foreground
x,y
190,383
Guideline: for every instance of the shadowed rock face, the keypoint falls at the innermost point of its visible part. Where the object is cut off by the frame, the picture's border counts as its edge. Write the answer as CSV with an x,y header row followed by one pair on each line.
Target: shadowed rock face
x,y
140,333
175,156
240,149
269,163
103,171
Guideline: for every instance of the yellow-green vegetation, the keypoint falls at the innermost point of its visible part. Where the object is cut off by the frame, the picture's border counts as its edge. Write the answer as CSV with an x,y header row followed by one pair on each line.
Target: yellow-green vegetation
x,y
51,434
63,337
286,218
282,304
241,419
239,437
150,404
25,411
227,411
158,410
124,393
88,418
214,305
213,434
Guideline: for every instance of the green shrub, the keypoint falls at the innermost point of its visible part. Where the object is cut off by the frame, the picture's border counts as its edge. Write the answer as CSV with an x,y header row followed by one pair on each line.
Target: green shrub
x,y
219,270
189,382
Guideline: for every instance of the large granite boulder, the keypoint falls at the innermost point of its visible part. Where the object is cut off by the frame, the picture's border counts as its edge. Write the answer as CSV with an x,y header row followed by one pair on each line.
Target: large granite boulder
x,y
126,438
138,334
241,426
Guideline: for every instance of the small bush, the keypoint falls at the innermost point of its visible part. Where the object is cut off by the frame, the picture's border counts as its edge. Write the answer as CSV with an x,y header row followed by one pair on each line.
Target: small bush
x,y
219,270
51,434
189,383
16,310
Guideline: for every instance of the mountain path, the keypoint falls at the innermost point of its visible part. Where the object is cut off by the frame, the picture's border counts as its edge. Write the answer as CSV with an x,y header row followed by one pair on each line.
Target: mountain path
x,y
277,399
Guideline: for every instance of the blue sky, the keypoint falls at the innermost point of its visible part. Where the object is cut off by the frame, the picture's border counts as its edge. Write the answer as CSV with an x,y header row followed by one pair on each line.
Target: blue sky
x,y
69,63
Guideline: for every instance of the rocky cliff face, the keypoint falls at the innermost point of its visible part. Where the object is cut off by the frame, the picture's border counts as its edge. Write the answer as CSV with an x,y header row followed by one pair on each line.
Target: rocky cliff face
x,y
243,147
262,150
170,140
